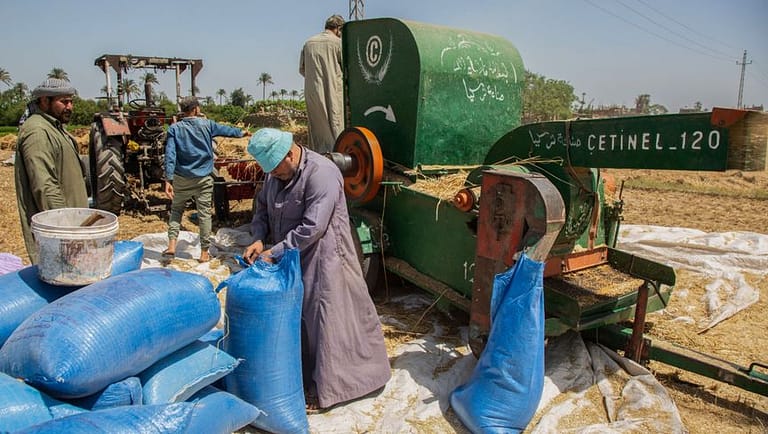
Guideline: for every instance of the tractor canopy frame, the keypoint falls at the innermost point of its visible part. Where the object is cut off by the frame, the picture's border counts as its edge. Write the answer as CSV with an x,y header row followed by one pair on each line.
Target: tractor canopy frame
x,y
121,63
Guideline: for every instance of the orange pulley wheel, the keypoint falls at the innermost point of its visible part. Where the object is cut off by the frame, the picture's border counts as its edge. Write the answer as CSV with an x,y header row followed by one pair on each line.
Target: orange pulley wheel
x,y
362,182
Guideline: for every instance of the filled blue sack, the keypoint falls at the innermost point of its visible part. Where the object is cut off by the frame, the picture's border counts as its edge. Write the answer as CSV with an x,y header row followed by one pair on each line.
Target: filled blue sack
x,y
155,419
221,412
22,405
263,314
127,256
109,330
179,375
505,388
125,392
22,292
213,412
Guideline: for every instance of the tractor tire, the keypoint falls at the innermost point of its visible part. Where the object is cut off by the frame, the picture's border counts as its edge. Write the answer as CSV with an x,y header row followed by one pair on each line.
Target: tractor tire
x,y
108,181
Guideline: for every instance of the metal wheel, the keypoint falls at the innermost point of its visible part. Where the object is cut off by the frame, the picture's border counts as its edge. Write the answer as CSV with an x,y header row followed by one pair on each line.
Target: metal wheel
x,y
361,145
107,172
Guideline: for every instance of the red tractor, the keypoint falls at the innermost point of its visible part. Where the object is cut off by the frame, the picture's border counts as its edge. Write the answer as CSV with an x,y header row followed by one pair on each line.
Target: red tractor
x,y
126,150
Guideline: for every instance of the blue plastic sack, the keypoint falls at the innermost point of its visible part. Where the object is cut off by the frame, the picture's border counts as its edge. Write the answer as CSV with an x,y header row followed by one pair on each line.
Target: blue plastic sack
x,y
125,392
263,313
22,292
505,388
22,406
109,330
221,412
127,256
155,419
179,375
213,412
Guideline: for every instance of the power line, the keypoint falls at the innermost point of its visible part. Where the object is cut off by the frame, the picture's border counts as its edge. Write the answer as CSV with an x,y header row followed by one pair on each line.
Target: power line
x,y
760,66
686,26
652,21
654,34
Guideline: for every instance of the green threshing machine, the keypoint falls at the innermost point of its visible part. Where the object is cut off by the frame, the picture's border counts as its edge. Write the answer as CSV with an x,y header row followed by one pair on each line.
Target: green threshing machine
x,y
428,101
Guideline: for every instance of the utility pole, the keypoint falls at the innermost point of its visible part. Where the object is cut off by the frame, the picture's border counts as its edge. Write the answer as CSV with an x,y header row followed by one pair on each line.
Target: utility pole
x,y
356,9
743,64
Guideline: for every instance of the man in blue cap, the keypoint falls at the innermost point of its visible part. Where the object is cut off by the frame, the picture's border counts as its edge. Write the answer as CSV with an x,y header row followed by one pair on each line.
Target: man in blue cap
x,y
302,206
48,169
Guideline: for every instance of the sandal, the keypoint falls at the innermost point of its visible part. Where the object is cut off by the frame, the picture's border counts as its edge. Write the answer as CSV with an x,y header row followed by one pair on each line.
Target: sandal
x,y
169,254
312,404
204,257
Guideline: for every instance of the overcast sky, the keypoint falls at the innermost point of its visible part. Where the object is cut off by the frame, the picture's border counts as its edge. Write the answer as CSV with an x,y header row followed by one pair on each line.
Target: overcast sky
x,y
679,51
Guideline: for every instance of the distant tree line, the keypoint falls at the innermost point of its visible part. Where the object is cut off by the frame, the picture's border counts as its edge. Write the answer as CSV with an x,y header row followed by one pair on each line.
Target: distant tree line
x,y
544,99
232,106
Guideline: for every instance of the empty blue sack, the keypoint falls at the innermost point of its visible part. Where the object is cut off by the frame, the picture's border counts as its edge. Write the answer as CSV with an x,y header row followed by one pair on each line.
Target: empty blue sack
x,y
505,388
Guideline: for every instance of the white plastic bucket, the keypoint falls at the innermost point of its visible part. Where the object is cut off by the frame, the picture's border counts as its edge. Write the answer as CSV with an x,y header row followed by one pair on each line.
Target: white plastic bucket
x,y
70,254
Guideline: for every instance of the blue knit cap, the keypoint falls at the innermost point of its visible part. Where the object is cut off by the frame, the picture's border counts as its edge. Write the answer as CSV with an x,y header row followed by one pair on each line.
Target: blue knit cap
x,y
269,146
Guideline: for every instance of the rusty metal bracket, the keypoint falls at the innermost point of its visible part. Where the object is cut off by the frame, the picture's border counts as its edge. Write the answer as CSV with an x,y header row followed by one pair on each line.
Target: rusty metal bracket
x,y
519,213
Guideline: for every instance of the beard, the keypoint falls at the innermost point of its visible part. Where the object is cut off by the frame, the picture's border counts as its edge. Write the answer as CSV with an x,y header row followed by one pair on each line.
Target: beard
x,y
64,116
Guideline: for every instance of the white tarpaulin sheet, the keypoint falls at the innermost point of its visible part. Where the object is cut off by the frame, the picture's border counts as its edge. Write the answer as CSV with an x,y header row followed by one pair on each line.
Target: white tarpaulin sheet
x,y
587,387
725,257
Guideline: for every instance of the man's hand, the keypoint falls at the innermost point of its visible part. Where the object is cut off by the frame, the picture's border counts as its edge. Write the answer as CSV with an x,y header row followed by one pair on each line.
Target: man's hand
x,y
266,256
253,251
169,189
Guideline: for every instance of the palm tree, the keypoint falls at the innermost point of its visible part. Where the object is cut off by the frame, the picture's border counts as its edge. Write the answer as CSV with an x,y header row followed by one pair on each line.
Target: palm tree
x,y
209,100
294,94
5,77
274,95
58,73
19,91
149,79
221,93
283,93
264,80
129,88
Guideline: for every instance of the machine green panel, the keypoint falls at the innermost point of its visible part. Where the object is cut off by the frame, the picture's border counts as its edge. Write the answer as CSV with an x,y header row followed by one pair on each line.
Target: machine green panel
x,y
675,142
430,94
432,236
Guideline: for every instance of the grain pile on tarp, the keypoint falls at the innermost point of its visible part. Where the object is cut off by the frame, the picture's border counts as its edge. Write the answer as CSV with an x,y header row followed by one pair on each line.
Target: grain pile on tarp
x,y
93,347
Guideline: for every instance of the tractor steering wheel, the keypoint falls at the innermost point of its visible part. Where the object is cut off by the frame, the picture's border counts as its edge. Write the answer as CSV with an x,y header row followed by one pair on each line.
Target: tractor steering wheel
x,y
137,104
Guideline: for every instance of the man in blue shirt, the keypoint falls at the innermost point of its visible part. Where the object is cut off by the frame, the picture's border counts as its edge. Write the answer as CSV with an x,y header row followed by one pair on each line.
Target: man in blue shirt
x,y
189,168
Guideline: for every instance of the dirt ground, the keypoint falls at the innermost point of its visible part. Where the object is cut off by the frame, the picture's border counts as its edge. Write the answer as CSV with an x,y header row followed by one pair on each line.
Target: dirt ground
x,y
735,201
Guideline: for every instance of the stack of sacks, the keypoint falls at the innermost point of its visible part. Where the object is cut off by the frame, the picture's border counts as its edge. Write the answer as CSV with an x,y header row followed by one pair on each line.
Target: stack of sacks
x,y
100,347
22,293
